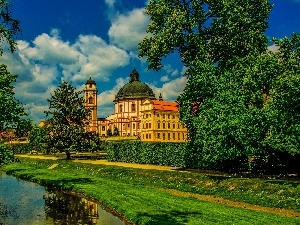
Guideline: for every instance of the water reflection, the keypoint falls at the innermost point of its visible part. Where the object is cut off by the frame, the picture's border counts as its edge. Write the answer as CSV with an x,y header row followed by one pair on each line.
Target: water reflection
x,y
23,202
66,208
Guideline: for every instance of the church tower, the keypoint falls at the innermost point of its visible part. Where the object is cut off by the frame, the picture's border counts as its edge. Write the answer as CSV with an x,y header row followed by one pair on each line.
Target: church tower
x,y
90,96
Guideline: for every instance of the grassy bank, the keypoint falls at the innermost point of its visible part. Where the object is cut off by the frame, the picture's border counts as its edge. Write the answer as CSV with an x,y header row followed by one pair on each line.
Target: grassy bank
x,y
140,194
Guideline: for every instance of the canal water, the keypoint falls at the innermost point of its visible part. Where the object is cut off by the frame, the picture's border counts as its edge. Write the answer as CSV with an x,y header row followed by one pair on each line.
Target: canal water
x,y
24,203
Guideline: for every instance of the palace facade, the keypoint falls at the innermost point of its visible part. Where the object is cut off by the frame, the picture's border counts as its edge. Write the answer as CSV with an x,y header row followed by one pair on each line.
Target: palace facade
x,y
137,113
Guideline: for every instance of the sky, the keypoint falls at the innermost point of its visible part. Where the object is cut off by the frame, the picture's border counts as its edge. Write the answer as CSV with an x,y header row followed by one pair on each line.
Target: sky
x,y
71,40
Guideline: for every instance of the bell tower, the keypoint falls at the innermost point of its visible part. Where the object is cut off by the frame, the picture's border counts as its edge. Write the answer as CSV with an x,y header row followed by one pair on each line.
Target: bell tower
x,y
90,96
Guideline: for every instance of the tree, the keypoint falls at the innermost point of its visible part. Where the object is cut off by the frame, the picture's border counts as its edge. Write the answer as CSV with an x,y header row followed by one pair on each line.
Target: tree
x,y
69,117
9,27
109,133
10,107
216,40
38,139
116,132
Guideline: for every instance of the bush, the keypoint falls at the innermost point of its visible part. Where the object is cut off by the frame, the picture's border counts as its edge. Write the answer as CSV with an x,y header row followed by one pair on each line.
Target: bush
x,y
20,148
160,153
6,156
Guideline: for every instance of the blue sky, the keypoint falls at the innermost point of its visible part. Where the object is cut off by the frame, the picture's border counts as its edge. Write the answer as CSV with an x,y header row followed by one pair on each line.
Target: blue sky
x,y
67,39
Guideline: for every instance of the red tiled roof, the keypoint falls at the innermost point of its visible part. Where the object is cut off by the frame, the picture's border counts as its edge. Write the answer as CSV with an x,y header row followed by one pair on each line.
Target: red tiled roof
x,y
162,105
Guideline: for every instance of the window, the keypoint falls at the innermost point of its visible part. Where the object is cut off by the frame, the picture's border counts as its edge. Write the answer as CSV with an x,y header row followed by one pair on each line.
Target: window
x,y
168,125
91,100
174,136
164,116
169,136
157,115
128,125
138,126
164,136
120,108
132,107
146,125
146,136
158,135
146,115
168,116
103,128
149,125
133,125
173,125
164,126
178,136
149,136
158,125
90,85
183,136
178,126
173,116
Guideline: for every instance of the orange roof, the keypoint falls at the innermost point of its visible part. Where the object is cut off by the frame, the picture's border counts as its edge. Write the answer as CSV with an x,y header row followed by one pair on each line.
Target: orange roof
x,y
162,105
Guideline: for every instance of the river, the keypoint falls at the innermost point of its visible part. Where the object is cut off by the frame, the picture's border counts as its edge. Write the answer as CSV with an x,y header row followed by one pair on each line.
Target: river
x,y
24,203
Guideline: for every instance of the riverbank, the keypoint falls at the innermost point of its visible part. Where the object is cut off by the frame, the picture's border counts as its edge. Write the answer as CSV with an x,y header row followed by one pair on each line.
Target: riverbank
x,y
171,197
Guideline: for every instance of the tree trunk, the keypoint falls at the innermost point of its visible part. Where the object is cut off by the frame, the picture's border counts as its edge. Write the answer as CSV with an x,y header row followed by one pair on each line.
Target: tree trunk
x,y
68,155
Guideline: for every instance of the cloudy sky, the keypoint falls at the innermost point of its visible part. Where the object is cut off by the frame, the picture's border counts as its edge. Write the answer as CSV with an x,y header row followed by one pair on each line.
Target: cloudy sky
x,y
71,40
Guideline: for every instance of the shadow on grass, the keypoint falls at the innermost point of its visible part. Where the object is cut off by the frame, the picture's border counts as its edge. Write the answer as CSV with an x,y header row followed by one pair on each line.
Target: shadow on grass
x,y
174,217
66,182
284,183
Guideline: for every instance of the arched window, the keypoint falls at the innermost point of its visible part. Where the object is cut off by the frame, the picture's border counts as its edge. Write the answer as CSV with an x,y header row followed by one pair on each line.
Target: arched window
x,y
91,100
121,108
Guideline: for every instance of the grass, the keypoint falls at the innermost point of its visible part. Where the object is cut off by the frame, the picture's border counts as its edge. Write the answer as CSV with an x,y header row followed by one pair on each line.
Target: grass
x,y
138,193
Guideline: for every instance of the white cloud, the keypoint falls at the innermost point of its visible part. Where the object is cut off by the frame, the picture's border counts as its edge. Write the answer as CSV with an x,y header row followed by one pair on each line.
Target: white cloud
x,y
127,30
171,90
165,78
273,48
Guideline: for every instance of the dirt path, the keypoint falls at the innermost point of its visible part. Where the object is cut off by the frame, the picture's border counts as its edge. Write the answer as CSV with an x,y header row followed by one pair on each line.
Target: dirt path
x,y
209,198
278,211
105,162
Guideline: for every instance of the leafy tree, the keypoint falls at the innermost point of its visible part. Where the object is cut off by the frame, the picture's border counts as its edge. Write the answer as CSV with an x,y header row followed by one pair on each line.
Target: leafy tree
x,y
23,128
10,107
69,117
116,132
38,139
223,103
109,133
9,27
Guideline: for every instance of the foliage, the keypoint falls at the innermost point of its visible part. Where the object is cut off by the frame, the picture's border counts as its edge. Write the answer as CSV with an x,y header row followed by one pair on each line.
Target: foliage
x,y
21,148
129,190
69,117
109,133
38,139
23,128
241,100
171,154
10,108
116,132
9,27
6,155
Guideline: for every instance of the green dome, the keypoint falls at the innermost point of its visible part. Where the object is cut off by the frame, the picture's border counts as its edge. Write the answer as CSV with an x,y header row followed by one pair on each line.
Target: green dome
x,y
135,89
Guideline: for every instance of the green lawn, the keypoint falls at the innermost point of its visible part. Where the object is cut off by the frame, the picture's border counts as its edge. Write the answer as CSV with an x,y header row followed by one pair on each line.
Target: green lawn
x,y
134,193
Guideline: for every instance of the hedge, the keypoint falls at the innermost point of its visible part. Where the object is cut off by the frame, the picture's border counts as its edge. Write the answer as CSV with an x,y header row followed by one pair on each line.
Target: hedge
x,y
159,153
23,148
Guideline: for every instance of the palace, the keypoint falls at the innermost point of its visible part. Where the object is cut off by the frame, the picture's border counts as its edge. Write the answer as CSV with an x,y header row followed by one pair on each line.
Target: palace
x,y
137,113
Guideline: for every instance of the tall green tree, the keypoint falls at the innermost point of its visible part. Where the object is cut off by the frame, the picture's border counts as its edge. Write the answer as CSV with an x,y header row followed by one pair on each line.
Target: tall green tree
x,y
9,27
38,139
68,119
10,108
216,41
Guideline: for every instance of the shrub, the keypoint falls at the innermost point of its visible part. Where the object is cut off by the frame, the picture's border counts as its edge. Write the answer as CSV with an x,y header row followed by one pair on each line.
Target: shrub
x,y
160,153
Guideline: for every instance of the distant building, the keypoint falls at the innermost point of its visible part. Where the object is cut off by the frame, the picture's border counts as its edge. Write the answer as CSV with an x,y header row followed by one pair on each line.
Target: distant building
x,y
136,113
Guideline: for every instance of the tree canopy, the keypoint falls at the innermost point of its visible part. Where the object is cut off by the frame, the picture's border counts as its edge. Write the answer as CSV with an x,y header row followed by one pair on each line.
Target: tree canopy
x,y
240,100
9,27
68,119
